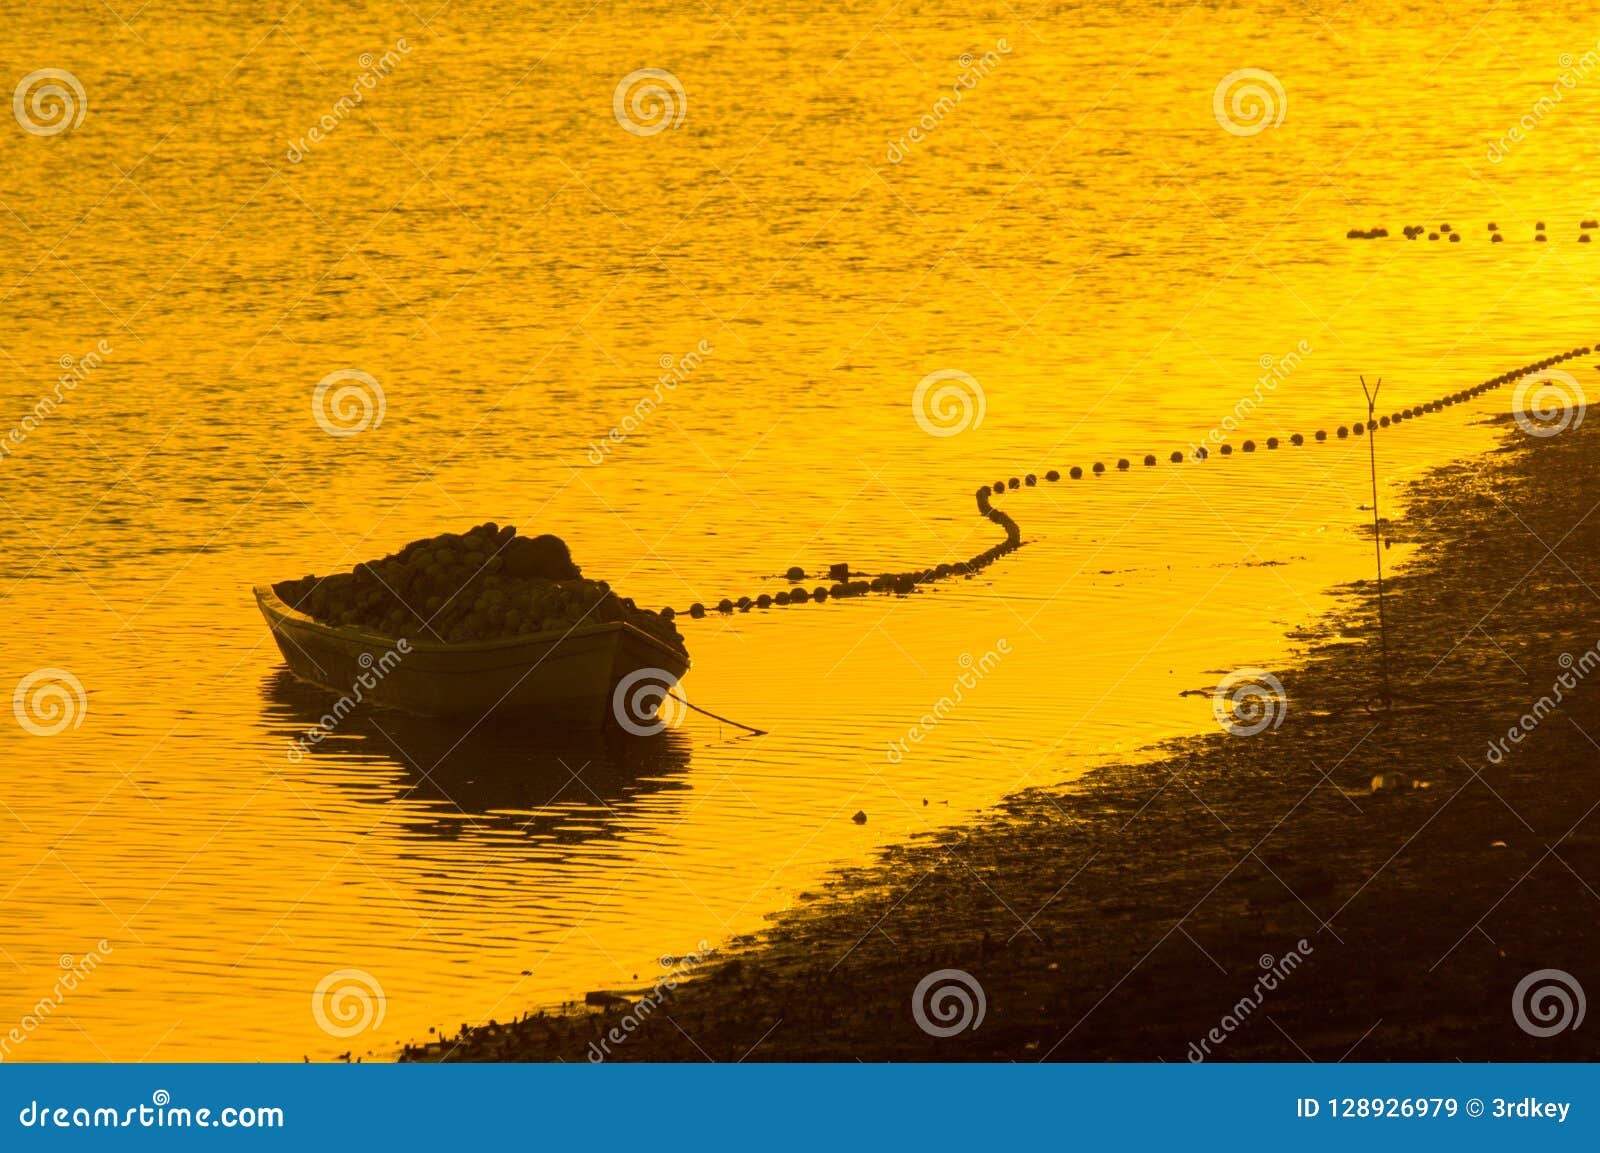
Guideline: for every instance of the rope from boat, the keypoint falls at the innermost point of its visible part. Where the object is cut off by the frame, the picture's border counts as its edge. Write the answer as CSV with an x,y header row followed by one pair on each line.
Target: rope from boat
x,y
905,582
715,716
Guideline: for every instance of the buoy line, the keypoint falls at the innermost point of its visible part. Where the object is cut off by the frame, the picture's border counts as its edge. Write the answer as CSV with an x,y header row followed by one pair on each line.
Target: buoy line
x,y
1445,232
902,583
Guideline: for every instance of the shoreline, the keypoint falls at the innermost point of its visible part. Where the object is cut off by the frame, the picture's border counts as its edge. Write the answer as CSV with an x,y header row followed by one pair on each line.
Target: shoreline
x,y
1135,914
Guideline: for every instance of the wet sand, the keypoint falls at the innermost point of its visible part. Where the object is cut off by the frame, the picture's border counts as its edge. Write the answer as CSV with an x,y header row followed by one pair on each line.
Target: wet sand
x,y
1126,916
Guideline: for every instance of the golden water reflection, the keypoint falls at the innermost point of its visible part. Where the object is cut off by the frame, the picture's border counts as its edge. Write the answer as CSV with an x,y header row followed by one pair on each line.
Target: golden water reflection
x,y
483,238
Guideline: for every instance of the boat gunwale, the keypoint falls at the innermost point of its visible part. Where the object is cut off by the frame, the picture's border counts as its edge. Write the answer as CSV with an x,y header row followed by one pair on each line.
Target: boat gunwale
x,y
275,606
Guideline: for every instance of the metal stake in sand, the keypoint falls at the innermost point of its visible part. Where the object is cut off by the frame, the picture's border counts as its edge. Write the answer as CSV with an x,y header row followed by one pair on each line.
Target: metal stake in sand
x,y
1377,536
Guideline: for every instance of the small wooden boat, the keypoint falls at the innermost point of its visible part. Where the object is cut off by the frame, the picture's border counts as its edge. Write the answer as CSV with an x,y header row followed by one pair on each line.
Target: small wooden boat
x,y
564,678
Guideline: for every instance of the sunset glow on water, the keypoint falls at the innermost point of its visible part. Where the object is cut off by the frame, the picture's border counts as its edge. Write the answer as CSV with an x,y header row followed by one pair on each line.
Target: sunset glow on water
x,y
685,333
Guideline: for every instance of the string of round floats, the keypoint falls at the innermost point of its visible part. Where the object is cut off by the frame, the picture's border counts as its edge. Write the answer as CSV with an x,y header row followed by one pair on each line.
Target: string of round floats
x,y
905,582
1445,232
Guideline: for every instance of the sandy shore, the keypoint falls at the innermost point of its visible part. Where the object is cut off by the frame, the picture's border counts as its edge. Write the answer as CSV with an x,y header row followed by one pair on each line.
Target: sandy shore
x,y
1138,914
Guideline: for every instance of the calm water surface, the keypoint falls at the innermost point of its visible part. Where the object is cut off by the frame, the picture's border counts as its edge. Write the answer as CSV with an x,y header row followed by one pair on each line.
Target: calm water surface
x,y
481,236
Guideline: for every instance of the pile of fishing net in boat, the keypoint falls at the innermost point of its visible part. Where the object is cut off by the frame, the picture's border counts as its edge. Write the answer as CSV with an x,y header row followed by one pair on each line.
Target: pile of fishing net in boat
x,y
484,584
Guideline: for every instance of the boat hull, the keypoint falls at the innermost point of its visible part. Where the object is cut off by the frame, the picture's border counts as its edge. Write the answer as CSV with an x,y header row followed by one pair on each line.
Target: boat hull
x,y
562,679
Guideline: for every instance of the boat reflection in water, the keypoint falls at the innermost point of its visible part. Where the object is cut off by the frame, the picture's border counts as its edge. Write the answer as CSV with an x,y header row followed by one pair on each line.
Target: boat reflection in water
x,y
457,780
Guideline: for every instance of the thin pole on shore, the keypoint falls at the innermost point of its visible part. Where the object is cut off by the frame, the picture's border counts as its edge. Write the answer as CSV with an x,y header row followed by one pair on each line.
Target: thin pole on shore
x,y
1377,536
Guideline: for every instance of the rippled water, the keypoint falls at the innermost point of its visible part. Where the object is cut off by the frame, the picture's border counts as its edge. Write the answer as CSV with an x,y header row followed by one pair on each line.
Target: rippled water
x,y
485,239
